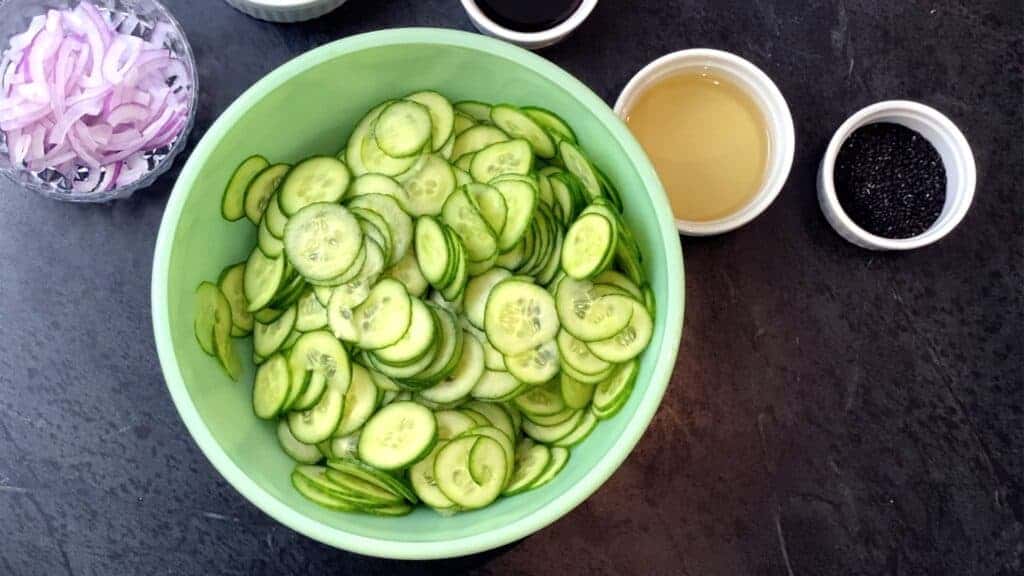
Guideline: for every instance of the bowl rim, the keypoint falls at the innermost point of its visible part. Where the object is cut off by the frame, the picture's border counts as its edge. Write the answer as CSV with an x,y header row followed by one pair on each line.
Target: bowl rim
x,y
381,547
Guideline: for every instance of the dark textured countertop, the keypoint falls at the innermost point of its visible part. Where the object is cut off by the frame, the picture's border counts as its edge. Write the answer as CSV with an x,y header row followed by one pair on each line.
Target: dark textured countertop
x,y
833,411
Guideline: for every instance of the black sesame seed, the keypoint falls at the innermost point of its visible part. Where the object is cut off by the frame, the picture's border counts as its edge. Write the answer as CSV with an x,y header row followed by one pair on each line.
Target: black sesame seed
x,y
890,180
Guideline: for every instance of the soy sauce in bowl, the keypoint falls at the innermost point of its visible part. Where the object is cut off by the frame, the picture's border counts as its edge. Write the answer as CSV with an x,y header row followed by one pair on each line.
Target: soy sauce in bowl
x,y
528,15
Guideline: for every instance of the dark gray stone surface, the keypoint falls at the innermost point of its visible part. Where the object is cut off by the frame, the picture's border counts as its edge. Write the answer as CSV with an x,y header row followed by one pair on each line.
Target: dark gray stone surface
x,y
833,411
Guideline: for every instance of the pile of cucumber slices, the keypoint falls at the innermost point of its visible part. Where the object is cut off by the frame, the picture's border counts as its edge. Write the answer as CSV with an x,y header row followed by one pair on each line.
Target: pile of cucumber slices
x,y
439,312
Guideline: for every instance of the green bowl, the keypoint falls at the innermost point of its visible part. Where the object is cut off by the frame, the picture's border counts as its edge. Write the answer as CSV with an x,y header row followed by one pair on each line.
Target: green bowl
x,y
308,106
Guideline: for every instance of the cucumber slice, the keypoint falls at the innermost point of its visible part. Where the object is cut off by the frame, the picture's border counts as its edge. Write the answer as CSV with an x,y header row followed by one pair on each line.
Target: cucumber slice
x,y
611,394
582,430
311,314
587,378
322,241
324,359
520,202
341,308
270,390
512,259
427,190
462,122
501,438
629,342
421,476
512,157
588,314
548,272
495,415
555,126
575,353
378,184
407,271
530,462
617,279
416,342
207,302
376,161
318,423
383,318
360,402
563,197
354,147
340,486
559,458
432,251
398,222
478,290
519,316
476,110
541,400
451,423
397,436
552,434
461,176
261,190
449,350
576,394
589,245
462,216
403,129
490,203
495,385
268,338
556,418
580,167
316,179
372,476
456,462
344,446
298,451
274,218
231,284
263,276
476,138
442,116
518,125
460,382
464,163
232,206
535,366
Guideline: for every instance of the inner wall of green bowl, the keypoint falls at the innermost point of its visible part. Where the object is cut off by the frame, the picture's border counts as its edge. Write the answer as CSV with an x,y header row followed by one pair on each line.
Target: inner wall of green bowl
x,y
313,113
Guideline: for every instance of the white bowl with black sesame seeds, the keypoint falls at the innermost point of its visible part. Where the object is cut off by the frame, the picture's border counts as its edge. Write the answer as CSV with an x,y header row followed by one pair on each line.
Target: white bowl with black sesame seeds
x,y
946,139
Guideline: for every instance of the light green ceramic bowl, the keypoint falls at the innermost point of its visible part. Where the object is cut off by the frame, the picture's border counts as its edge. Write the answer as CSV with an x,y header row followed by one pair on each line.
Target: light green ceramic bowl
x,y
308,106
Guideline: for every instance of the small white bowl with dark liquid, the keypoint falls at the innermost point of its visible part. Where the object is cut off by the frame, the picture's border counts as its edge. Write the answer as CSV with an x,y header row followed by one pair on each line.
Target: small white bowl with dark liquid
x,y
530,24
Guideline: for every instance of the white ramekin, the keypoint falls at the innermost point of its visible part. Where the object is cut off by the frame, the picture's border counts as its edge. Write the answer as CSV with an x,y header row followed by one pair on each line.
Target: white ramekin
x,y
530,40
768,98
285,10
947,139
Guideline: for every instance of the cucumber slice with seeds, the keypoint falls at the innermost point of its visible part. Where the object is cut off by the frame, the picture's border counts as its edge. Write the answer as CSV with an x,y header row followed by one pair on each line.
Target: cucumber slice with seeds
x,y
559,458
589,245
397,436
231,284
383,318
519,316
322,241
360,402
232,205
316,179
512,157
535,366
403,128
530,462
541,400
518,125
442,116
298,451
263,276
261,190
270,390
576,394
476,110
452,471
268,338
629,342
460,382
427,190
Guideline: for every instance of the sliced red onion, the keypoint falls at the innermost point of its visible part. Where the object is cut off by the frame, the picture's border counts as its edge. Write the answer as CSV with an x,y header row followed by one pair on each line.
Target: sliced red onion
x,y
82,98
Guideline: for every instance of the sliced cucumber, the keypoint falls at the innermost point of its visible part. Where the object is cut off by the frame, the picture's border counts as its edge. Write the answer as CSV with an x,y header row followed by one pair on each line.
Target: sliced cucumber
x,y
541,400
575,353
451,423
269,338
478,290
232,205
587,314
456,462
556,127
491,205
263,276
427,190
476,110
576,394
520,201
260,191
559,458
397,436
378,184
629,342
519,316
582,430
462,122
530,462
495,415
298,451
589,246
316,179
421,476
512,157
535,366
518,125
311,314
417,340
580,167
496,385
322,241
432,250
232,285
403,128
611,394
372,476
462,216
318,423
360,402
552,434
442,116
383,318
407,271
322,362
460,382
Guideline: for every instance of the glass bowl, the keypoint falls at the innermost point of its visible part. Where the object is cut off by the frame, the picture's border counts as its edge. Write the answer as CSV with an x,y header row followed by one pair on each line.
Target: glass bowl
x,y
139,18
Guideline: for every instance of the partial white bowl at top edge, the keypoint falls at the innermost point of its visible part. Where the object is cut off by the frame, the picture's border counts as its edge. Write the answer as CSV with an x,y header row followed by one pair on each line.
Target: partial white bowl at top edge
x,y
285,11
529,40
767,97
949,142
